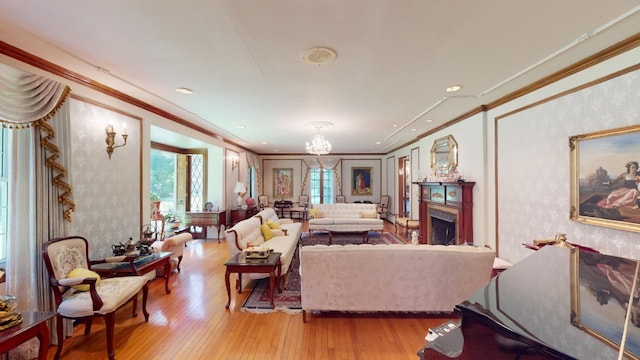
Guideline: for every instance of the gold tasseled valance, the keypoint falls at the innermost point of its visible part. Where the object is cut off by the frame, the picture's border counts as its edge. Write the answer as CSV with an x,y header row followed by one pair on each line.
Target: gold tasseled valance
x,y
29,100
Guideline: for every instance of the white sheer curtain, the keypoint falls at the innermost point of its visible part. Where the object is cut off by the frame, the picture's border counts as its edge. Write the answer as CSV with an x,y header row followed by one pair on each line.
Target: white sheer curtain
x,y
34,111
322,162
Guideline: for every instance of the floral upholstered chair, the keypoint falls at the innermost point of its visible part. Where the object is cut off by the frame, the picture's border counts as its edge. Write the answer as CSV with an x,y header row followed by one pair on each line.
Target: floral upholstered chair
x,y
81,295
263,201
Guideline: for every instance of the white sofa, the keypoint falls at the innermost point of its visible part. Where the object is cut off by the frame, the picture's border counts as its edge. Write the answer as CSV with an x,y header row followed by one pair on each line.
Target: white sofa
x,y
345,217
247,232
388,278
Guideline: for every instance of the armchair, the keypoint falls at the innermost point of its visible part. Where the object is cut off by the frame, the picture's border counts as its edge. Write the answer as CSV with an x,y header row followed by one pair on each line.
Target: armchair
x,y
383,207
263,201
301,207
103,297
340,199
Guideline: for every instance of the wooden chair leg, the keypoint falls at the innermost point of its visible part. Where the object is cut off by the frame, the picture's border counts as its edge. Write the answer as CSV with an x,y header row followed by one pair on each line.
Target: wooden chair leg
x,y
87,326
134,310
145,295
60,334
110,320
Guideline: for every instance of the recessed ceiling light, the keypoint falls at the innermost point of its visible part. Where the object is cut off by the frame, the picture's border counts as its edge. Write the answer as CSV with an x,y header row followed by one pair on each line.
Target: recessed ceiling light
x,y
264,143
395,125
413,129
428,120
184,90
276,150
378,143
454,88
241,126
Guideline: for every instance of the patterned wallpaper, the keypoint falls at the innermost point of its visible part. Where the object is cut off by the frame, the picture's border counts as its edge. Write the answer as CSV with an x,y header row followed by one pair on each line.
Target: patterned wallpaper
x,y
533,167
106,191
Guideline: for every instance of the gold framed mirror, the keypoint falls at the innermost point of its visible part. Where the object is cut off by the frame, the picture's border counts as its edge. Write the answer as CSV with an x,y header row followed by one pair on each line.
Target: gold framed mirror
x,y
444,155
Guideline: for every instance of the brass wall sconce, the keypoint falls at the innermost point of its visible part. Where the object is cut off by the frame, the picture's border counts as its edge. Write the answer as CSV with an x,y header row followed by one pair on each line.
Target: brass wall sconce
x,y
235,161
111,139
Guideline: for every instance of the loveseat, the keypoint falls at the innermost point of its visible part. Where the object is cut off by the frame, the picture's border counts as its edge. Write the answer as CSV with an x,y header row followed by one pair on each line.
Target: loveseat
x,y
388,278
345,217
174,244
248,233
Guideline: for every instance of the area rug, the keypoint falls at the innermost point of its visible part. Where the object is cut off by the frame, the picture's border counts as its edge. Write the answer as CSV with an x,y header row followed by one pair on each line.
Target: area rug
x,y
288,300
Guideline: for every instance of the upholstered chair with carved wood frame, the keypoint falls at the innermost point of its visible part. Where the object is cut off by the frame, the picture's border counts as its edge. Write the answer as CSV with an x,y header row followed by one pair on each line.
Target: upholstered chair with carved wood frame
x,y
340,199
301,209
100,298
263,201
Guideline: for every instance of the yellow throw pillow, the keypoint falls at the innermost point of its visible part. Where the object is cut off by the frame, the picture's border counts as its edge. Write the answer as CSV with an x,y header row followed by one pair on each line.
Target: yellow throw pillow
x,y
83,273
369,214
273,225
312,213
266,232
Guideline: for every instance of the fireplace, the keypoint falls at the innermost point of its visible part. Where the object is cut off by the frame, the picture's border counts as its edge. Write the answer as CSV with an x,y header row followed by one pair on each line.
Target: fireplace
x,y
446,212
443,227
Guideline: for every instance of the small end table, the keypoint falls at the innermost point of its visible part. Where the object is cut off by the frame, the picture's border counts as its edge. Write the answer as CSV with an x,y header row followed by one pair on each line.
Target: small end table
x,y
240,264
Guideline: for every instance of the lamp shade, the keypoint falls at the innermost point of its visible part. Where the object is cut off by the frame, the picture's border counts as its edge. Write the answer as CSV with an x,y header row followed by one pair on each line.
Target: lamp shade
x,y
239,188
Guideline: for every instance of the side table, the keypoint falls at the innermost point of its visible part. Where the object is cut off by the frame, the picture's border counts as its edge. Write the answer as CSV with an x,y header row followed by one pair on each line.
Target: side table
x,y
241,265
34,324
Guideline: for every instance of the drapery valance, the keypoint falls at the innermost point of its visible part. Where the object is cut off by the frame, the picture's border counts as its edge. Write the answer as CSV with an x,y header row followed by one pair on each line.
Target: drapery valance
x,y
29,100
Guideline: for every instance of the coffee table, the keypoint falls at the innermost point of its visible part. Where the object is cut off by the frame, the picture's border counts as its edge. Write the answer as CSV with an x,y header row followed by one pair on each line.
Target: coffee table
x,y
364,234
139,265
241,265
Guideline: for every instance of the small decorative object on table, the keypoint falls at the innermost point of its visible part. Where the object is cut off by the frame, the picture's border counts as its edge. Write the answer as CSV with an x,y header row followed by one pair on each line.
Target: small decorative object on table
x,y
8,317
257,252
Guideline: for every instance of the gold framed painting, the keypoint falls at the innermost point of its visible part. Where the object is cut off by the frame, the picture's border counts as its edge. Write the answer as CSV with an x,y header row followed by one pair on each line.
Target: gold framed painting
x,y
282,183
361,181
605,179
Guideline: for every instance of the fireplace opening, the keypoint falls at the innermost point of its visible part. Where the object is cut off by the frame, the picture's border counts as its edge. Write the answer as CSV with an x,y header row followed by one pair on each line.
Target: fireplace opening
x,y
443,228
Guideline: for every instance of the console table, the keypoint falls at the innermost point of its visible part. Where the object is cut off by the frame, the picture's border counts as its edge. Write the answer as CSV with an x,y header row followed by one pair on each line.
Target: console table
x,y
446,208
205,219
240,214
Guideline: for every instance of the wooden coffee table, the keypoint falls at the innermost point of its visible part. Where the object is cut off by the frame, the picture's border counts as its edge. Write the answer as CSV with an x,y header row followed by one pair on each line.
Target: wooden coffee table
x,y
364,234
139,265
240,264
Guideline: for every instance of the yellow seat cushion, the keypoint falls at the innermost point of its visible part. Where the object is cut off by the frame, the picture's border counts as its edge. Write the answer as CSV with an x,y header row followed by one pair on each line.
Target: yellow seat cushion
x,y
83,273
266,232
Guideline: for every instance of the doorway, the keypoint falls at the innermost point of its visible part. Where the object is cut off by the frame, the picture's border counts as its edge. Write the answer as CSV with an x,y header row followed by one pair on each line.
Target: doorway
x,y
404,187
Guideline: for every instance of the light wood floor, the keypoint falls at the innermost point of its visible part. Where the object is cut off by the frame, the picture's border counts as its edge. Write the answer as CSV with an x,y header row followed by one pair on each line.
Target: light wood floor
x,y
192,323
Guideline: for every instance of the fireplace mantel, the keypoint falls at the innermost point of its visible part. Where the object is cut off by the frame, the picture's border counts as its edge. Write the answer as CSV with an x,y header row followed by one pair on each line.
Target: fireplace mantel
x,y
455,198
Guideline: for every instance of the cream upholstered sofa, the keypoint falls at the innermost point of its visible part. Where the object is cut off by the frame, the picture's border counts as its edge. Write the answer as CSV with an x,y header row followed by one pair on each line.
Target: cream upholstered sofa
x,y
388,278
247,232
174,244
345,217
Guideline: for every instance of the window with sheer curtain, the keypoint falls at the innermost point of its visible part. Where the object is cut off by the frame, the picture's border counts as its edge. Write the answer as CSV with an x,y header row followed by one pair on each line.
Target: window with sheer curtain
x,y
321,186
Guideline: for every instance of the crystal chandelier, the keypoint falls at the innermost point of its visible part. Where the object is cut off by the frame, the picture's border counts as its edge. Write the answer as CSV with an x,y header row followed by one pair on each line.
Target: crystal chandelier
x,y
319,145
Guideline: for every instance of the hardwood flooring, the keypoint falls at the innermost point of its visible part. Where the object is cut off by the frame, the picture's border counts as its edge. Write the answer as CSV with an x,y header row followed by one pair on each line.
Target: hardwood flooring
x,y
192,323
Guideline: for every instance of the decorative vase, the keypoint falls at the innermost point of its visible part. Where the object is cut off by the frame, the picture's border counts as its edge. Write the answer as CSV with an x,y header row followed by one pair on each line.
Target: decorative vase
x,y
414,238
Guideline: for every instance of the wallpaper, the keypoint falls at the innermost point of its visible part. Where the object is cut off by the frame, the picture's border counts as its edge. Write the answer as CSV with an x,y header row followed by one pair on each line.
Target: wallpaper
x,y
533,167
106,191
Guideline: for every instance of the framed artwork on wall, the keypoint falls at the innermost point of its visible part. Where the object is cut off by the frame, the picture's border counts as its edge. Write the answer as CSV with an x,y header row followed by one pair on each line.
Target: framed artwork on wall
x,y
282,183
605,178
601,292
360,181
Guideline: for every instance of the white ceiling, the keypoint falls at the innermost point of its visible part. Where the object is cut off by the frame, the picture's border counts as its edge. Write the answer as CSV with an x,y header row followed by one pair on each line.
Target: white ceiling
x,y
243,61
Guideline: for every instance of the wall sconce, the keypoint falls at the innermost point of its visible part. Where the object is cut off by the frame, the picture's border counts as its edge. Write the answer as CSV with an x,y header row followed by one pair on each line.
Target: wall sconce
x,y
111,139
235,161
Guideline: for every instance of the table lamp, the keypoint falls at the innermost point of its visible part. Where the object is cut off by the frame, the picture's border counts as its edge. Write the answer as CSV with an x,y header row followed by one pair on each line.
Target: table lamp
x,y
240,189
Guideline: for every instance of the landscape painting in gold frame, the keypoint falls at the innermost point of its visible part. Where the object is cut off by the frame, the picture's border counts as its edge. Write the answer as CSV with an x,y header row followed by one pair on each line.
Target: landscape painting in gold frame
x,y
605,178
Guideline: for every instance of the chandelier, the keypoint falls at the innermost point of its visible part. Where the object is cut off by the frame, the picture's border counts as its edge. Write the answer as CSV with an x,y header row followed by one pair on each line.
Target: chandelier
x,y
319,145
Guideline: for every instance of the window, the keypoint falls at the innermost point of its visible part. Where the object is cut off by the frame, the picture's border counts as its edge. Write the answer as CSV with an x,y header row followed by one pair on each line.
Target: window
x,y
4,194
163,178
321,186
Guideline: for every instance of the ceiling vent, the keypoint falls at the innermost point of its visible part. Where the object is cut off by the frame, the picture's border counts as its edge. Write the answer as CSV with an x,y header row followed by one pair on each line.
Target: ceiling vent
x,y
319,56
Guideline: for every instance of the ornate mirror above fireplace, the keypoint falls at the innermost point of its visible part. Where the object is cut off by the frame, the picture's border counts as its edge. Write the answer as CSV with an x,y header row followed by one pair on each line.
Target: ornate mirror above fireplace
x,y
444,155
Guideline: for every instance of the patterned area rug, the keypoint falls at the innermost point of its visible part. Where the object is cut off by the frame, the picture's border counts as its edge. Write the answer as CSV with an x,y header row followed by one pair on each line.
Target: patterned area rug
x,y
289,299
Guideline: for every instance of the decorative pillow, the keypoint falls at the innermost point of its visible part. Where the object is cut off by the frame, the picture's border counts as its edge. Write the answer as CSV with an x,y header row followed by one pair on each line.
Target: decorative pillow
x,y
273,225
83,273
369,214
266,232
277,232
312,213
319,214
